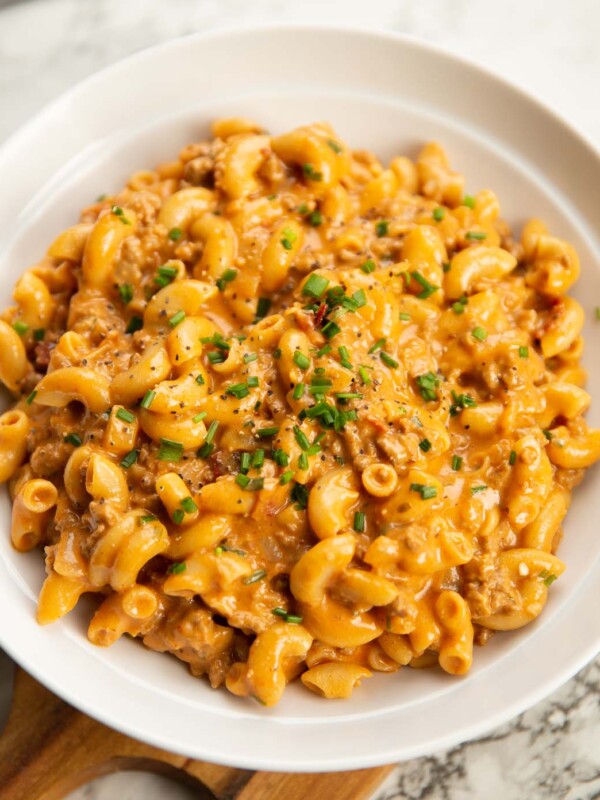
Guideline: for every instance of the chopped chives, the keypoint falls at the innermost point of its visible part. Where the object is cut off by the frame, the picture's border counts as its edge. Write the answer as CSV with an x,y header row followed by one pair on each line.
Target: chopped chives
x,y
331,329
362,371
446,266
124,415
245,461
425,445
360,298
188,505
146,519
547,434
523,352
301,438
134,324
170,450
258,459
176,319
216,357
242,480
148,398
298,391
316,218
324,350
303,461
288,238
301,360
31,397
238,390
461,401
280,457
252,381
427,384
126,292
469,201
74,439
250,357
348,395
478,489
286,477
262,307
177,568
438,214
256,576
210,434
377,346
345,357
299,495
459,306
334,146
279,612
315,286
178,516
264,433
475,236
226,278
428,288
175,234
359,523
166,274
382,228
404,317
426,492
294,619
39,334
388,360
311,173
21,327
456,463
479,333
199,417
512,457
368,266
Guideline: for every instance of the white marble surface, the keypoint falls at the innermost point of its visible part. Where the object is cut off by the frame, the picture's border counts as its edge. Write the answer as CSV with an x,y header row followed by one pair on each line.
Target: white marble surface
x,y
548,46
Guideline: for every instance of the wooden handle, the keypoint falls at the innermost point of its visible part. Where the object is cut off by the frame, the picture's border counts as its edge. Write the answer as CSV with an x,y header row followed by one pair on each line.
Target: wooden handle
x,y
48,749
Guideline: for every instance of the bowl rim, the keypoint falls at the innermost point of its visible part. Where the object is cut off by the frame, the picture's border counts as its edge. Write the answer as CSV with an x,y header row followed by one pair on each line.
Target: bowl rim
x,y
511,708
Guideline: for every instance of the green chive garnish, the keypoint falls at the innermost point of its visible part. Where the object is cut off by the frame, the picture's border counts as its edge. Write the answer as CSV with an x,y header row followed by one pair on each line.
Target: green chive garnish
x,y
124,415
126,292
368,266
256,576
170,450
264,433
475,236
148,398
301,360
359,523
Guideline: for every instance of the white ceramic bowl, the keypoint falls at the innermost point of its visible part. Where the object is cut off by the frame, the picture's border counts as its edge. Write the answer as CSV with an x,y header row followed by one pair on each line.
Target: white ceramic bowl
x,y
389,94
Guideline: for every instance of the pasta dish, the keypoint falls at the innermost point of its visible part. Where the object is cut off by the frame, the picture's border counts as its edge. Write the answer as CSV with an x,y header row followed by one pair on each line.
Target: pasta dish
x,y
287,412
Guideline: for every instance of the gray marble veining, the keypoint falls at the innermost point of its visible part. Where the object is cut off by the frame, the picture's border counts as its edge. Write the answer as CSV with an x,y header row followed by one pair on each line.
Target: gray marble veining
x,y
552,752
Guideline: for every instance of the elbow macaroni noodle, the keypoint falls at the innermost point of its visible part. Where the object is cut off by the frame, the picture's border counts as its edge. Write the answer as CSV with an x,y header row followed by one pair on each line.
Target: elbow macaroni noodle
x,y
291,413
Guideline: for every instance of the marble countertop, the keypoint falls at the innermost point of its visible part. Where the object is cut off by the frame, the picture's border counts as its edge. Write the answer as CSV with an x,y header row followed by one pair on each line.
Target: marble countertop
x,y
552,752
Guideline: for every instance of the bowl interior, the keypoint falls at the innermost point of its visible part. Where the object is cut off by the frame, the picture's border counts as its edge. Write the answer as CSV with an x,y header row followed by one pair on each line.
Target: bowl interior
x,y
77,156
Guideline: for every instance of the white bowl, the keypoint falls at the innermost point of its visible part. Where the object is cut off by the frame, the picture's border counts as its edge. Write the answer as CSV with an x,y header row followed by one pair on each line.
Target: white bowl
x,y
382,92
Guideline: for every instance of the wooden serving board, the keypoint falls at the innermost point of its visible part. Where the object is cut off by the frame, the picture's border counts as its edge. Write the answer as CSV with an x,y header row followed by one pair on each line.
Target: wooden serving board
x,y
48,748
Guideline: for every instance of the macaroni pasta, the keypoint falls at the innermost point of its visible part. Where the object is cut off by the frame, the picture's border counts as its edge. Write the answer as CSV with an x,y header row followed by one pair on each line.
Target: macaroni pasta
x,y
288,412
